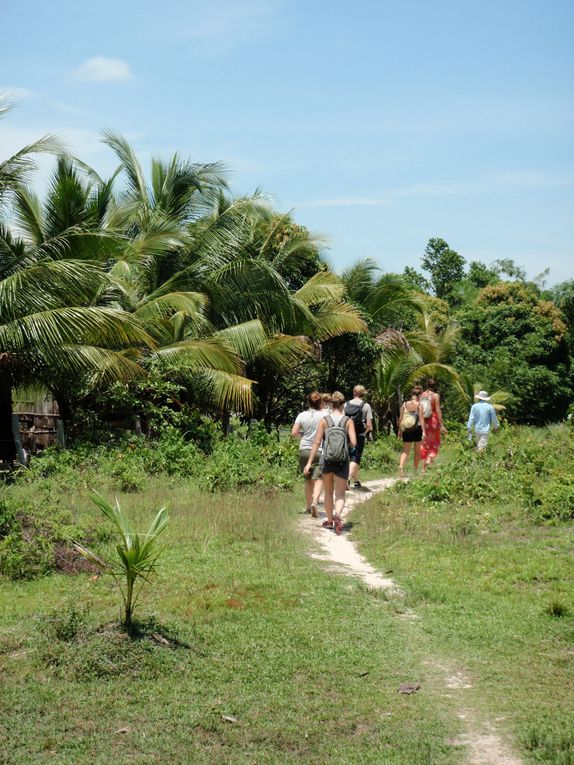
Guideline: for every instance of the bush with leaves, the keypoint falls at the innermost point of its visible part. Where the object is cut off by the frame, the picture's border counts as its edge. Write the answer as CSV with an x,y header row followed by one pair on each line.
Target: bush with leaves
x,y
523,470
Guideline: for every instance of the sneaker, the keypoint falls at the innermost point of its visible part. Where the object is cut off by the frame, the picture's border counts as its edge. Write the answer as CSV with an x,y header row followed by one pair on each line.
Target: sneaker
x,y
357,485
338,523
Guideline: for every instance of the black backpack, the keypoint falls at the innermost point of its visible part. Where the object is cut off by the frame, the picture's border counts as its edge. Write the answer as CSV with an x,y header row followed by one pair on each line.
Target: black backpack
x,y
355,412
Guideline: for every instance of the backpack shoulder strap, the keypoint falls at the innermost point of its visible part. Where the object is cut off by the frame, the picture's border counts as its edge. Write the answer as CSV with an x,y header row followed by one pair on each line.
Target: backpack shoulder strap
x,y
343,421
329,420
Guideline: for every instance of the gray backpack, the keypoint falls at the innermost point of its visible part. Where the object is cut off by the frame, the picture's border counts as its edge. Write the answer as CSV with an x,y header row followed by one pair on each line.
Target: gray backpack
x,y
335,442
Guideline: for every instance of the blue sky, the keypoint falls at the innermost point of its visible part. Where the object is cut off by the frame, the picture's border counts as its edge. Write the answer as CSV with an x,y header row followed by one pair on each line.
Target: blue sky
x,y
380,124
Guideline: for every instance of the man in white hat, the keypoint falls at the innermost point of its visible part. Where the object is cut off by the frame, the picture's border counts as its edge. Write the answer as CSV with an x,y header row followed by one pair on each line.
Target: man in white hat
x,y
482,418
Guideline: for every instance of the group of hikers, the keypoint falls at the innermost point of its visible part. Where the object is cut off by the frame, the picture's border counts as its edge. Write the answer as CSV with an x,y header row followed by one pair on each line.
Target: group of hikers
x,y
333,433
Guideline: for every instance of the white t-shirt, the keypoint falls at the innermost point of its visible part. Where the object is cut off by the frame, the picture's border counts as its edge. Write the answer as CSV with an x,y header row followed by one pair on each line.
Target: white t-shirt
x,y
308,423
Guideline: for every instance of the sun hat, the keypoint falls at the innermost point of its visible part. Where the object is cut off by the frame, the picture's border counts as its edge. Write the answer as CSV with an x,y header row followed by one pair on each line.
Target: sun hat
x,y
482,395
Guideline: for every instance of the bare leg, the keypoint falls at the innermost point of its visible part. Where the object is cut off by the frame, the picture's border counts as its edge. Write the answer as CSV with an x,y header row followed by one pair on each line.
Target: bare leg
x,y
354,472
328,499
340,489
317,489
404,457
308,492
417,455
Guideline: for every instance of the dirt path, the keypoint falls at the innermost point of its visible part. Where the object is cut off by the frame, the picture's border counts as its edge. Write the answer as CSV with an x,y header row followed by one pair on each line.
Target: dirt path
x,y
484,745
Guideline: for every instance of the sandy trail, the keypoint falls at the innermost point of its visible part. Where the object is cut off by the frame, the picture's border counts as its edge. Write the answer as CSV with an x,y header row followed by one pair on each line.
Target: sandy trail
x,y
484,745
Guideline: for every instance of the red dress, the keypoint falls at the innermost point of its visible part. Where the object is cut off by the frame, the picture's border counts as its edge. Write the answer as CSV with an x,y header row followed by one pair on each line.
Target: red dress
x,y
431,441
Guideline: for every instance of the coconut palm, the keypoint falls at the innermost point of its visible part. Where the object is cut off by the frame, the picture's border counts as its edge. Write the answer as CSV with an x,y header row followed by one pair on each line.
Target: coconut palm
x,y
51,331
240,262
407,358
138,554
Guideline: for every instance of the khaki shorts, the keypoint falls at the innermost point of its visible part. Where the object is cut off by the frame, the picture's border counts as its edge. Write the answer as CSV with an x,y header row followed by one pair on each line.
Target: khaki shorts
x,y
481,441
304,458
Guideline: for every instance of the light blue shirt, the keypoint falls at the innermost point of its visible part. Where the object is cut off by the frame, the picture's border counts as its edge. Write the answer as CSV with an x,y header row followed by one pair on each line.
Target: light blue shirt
x,y
482,416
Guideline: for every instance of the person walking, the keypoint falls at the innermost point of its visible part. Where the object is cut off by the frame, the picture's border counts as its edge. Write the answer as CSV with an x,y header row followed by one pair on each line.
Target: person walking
x,y
411,429
482,418
305,428
362,415
336,436
434,426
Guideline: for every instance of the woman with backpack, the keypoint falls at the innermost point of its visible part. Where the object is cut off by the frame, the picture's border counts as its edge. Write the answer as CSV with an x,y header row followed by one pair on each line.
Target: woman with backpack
x,y
430,402
335,433
411,428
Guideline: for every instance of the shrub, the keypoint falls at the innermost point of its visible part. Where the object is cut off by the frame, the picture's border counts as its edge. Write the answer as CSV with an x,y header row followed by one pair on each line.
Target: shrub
x,y
523,469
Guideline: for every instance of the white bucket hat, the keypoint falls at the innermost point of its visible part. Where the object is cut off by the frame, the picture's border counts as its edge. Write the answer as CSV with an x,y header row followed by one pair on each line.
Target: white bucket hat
x,y
482,395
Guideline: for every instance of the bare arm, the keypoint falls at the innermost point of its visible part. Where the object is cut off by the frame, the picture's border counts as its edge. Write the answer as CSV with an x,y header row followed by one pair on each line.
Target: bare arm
x,y
296,431
315,447
351,432
439,413
369,421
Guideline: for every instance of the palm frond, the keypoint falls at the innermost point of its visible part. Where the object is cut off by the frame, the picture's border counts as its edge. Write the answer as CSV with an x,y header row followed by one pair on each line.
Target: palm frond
x,y
73,325
49,285
247,338
130,164
209,353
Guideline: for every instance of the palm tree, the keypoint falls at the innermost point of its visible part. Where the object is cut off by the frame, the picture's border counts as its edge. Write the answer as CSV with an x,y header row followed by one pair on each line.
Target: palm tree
x,y
239,265
50,330
407,358
384,302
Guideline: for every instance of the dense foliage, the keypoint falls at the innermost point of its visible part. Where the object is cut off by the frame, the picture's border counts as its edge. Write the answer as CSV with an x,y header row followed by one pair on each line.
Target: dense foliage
x,y
166,298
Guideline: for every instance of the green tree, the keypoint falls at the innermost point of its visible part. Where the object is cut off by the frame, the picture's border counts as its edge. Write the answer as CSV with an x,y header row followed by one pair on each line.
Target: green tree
x,y
563,296
445,266
515,341
384,300
480,275
409,358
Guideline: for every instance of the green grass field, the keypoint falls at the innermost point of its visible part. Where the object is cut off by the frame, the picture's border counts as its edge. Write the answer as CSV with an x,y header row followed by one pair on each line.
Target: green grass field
x,y
256,653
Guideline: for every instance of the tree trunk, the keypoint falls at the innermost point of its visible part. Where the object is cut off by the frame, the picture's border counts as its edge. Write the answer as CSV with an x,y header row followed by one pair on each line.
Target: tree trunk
x,y
7,443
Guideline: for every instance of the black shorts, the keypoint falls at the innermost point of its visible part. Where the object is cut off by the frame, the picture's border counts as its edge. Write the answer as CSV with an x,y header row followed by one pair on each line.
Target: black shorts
x,y
338,468
413,436
359,449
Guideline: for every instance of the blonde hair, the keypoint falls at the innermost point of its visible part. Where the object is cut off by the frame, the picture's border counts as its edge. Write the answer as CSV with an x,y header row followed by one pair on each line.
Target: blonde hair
x,y
337,399
326,398
359,391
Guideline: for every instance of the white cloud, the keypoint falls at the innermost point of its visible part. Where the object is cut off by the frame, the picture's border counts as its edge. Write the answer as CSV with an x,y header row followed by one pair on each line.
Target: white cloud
x,y
103,69
346,202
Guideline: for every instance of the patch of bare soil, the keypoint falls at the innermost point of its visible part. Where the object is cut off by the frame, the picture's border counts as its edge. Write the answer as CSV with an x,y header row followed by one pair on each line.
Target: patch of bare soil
x,y
66,559
484,745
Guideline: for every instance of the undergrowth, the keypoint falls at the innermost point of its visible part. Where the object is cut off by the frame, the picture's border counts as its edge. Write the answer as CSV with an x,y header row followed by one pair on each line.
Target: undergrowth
x,y
37,526
528,470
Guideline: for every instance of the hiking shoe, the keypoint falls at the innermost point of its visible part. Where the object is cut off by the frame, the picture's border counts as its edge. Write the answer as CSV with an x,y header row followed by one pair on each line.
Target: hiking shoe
x,y
327,525
314,511
357,485
338,524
